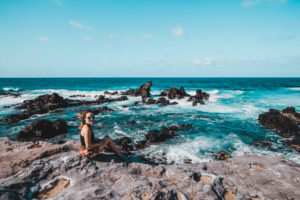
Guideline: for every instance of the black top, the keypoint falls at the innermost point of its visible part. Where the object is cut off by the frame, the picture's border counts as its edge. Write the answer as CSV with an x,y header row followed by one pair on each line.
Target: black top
x,y
92,137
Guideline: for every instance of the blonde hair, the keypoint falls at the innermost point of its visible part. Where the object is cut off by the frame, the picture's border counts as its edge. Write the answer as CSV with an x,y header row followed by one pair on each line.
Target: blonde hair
x,y
82,116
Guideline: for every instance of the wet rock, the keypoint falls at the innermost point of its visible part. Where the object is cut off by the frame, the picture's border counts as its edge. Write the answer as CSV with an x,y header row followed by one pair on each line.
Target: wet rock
x,y
101,110
163,101
233,149
150,101
14,118
294,143
9,94
77,95
277,121
260,143
173,93
111,93
131,122
185,126
125,143
44,103
53,103
43,129
143,91
154,136
102,99
200,97
60,126
222,155
39,105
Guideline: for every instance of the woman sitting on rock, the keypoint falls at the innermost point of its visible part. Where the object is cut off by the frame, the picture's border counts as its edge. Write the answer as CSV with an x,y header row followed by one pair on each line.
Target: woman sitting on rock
x,y
91,146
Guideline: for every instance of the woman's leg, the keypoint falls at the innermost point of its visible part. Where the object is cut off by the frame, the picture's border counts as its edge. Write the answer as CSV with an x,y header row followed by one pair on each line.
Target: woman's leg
x,y
107,141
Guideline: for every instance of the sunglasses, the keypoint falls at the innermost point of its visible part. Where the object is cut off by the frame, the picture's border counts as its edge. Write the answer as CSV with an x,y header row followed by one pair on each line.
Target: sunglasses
x,y
90,117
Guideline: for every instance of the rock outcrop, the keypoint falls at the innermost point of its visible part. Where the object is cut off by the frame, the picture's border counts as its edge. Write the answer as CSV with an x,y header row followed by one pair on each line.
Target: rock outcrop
x,y
59,172
143,91
9,94
200,97
162,135
173,93
285,123
162,101
51,103
43,129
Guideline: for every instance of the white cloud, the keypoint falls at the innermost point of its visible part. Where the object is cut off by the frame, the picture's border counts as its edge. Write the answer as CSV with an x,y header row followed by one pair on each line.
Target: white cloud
x,y
204,61
286,37
2,58
177,31
87,37
146,36
112,36
44,39
249,3
79,26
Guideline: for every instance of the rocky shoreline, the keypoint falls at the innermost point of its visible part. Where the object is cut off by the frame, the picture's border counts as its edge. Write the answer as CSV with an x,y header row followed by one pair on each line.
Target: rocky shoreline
x,y
34,168
43,170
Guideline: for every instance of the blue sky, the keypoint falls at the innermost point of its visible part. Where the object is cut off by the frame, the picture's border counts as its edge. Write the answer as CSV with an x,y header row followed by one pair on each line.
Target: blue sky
x,y
143,38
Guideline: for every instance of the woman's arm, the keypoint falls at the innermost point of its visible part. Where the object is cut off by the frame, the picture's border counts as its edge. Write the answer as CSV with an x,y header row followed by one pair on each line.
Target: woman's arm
x,y
86,132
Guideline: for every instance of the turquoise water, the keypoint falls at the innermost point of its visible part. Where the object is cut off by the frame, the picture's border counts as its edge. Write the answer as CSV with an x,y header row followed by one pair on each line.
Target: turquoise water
x,y
228,119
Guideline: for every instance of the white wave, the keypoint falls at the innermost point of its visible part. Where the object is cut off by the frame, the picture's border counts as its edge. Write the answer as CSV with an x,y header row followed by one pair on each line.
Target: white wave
x,y
8,100
10,89
87,95
294,88
213,92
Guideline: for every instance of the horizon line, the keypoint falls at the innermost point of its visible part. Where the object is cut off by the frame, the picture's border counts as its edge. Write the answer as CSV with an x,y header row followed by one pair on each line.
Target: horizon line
x,y
159,77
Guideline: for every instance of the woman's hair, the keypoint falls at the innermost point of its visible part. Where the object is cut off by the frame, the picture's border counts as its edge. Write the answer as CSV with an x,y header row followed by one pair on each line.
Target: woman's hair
x,y
82,116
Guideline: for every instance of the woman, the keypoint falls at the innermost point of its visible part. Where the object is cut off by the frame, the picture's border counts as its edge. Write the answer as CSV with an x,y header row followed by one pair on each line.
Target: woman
x,y
91,146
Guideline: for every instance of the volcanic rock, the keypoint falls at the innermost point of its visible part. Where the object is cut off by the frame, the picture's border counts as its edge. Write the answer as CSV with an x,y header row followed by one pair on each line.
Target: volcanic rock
x,y
111,93
6,94
125,143
156,136
131,122
173,93
285,123
77,95
143,91
52,103
43,129
222,155
14,118
200,97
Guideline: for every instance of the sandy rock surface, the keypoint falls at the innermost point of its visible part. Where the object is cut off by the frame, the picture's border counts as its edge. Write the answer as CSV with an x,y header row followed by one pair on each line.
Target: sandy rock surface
x,y
65,174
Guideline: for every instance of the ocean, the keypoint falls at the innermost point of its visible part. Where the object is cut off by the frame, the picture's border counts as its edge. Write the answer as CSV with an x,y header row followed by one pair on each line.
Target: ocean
x,y
227,120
